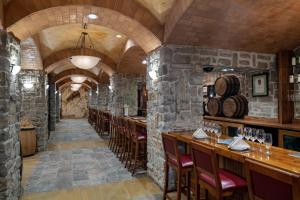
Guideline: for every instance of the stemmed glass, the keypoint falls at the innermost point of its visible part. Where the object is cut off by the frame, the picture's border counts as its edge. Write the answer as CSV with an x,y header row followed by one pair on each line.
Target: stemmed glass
x,y
260,137
268,142
247,133
240,132
253,136
218,132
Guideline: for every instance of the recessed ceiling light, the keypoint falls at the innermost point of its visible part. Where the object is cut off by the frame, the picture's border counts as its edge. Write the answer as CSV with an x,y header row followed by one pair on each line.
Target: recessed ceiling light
x,y
92,16
119,36
144,62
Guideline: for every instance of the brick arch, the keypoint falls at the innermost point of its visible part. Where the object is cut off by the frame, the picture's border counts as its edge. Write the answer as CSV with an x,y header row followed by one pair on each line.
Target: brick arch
x,y
67,73
29,23
49,62
131,61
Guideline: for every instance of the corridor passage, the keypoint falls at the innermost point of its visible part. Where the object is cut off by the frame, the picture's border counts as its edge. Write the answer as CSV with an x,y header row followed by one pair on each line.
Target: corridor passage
x,y
78,165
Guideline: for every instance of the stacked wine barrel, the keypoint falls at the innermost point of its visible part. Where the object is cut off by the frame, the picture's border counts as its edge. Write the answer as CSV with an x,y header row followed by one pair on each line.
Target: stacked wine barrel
x,y
230,103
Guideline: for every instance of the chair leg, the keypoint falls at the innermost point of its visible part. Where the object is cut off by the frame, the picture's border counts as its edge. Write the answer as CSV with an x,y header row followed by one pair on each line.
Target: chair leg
x,y
179,184
136,152
166,180
128,155
189,185
197,191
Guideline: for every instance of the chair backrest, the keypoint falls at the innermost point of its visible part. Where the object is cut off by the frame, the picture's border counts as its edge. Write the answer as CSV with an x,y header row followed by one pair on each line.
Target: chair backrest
x,y
269,183
132,128
206,163
170,148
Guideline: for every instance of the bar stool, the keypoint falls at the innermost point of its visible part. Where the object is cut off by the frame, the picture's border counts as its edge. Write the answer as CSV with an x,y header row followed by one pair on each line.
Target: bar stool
x,y
269,183
113,132
218,182
126,138
181,163
138,152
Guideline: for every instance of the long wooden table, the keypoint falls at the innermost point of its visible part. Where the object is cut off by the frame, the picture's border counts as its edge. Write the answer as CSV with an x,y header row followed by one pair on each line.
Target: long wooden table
x,y
279,157
139,121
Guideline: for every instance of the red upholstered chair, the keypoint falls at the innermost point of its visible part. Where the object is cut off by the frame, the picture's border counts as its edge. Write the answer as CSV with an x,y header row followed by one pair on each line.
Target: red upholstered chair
x,y
218,182
181,163
269,183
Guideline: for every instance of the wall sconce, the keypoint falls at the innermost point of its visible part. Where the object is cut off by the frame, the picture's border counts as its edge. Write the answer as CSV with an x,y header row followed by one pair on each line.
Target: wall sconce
x,y
153,75
28,85
15,69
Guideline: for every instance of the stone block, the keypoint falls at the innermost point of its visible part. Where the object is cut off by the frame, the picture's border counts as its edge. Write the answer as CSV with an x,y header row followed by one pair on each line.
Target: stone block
x,y
181,59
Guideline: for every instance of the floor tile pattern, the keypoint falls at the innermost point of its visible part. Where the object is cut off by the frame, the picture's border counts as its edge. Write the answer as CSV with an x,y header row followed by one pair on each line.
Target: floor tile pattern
x,y
78,165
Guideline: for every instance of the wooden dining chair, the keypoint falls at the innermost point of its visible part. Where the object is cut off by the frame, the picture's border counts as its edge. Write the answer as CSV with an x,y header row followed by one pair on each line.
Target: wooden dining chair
x,y
218,182
138,148
269,183
181,163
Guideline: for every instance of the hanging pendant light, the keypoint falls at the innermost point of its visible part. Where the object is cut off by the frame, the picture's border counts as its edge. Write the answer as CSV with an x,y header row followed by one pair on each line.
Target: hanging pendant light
x,y
78,79
82,61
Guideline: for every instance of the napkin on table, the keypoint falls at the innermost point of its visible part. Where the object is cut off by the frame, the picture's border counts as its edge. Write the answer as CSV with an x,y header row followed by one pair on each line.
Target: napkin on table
x,y
200,134
239,144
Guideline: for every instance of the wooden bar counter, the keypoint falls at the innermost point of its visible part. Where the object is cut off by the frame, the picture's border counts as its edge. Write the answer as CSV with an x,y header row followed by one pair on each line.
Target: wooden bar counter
x,y
279,158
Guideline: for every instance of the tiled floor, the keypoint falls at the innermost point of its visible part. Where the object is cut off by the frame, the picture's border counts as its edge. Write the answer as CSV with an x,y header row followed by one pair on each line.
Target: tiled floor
x,y
78,165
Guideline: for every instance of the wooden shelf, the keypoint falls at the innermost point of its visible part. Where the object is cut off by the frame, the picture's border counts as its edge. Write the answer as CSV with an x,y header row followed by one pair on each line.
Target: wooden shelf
x,y
272,123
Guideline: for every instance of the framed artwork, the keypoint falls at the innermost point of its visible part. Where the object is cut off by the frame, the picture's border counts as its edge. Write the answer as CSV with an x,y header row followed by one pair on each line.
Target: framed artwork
x,y
260,85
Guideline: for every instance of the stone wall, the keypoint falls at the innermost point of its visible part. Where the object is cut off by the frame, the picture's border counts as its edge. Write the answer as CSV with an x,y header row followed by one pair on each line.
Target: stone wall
x,y
52,105
175,84
35,103
93,99
123,90
174,100
245,65
75,107
103,97
58,105
296,97
10,105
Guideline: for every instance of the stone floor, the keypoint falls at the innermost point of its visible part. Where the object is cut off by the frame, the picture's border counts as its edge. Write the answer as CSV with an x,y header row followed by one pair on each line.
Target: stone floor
x,y
78,165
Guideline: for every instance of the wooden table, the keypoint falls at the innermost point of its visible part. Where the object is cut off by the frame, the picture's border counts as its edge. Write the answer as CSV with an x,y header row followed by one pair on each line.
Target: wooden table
x,y
139,121
279,157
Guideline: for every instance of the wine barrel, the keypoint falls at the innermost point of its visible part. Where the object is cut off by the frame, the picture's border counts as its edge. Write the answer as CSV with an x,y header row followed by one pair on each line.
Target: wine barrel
x,y
28,141
214,106
235,106
226,86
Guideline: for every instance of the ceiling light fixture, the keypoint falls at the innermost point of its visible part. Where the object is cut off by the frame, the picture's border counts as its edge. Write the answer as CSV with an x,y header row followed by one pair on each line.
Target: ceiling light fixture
x,y
144,62
74,89
82,61
78,79
75,85
92,16
119,36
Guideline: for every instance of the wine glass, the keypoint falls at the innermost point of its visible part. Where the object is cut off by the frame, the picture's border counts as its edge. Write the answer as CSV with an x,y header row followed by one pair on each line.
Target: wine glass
x,y
268,142
240,132
260,137
218,132
247,133
253,137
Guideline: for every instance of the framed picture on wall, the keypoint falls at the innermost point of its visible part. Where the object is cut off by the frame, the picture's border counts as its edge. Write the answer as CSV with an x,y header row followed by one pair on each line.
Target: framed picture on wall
x,y
260,85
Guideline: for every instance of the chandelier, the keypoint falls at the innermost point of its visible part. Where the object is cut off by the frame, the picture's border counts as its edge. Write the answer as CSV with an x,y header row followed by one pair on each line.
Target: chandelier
x,y
82,61
78,79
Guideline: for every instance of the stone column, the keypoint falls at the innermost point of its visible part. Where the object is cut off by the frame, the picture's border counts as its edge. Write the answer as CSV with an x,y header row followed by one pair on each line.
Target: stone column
x,y
123,90
174,100
10,160
52,104
35,104
58,106
103,97
93,99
